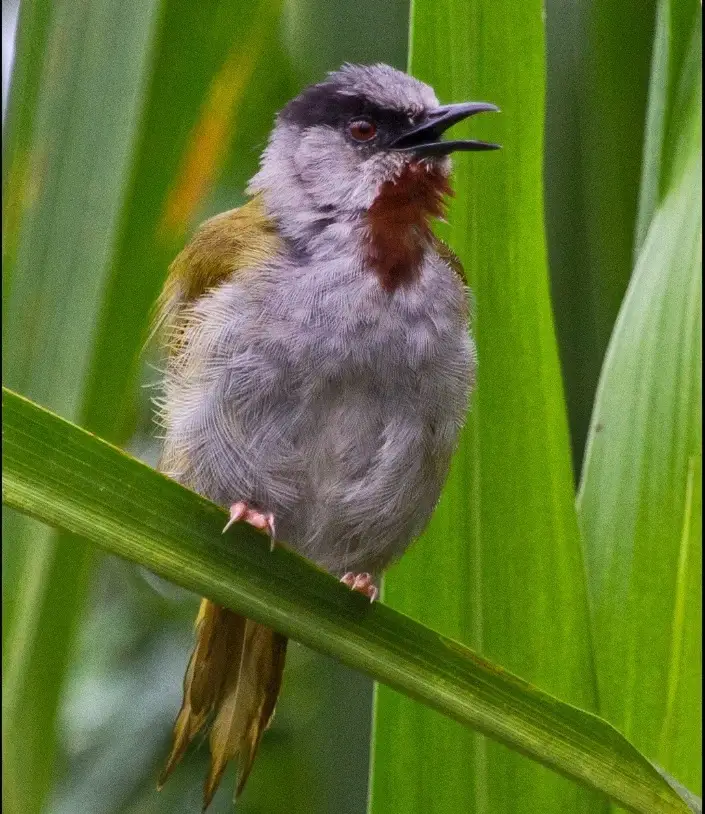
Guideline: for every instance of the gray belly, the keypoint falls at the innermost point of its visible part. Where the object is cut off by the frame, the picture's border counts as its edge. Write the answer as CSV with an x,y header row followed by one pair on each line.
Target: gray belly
x,y
344,431
371,471
351,466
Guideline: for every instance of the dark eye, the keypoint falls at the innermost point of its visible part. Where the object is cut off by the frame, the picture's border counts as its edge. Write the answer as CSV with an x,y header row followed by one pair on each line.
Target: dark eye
x,y
362,129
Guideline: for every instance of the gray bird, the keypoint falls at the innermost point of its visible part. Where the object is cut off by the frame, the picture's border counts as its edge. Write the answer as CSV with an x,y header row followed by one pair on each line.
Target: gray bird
x,y
320,365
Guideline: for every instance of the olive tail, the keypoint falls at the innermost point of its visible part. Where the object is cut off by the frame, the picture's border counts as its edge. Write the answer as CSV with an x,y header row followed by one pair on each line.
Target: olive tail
x,y
233,678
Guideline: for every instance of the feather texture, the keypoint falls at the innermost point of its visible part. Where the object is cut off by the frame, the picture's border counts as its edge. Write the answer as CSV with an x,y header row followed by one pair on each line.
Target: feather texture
x,y
233,679
247,702
235,670
319,368
222,246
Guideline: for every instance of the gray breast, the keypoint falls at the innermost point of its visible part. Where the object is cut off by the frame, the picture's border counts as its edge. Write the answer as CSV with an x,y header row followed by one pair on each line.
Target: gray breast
x,y
311,392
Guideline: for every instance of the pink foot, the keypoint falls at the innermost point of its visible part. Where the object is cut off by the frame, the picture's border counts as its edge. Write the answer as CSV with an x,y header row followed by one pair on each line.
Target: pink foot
x,y
264,521
362,583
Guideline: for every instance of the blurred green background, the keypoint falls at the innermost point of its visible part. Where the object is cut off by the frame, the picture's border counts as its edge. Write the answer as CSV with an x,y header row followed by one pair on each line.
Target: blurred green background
x,y
126,125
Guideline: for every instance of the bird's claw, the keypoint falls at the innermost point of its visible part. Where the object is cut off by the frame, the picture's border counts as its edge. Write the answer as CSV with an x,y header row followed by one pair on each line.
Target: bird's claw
x,y
264,521
362,583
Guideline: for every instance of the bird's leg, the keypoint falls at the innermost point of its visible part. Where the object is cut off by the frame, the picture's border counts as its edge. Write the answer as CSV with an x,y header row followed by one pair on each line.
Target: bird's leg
x,y
264,521
362,583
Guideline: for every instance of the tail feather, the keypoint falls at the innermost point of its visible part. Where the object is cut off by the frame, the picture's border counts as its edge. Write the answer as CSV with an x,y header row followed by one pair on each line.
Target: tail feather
x,y
248,702
274,657
233,677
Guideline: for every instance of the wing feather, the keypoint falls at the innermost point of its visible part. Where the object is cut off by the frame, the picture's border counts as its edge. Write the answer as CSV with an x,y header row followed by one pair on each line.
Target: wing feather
x,y
222,246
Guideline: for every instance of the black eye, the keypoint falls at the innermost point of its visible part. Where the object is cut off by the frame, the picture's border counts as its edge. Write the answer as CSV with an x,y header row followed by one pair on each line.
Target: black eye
x,y
362,129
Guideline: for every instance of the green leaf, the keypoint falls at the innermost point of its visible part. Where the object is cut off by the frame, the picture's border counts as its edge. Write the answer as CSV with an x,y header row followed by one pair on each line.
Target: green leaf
x,y
676,44
640,503
378,30
199,79
63,475
68,158
97,135
500,567
598,77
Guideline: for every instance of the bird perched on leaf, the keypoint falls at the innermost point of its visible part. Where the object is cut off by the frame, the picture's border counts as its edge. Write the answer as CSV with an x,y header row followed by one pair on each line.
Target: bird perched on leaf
x,y
320,365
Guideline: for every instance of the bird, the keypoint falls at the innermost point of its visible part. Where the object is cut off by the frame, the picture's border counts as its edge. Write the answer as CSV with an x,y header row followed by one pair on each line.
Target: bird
x,y
319,366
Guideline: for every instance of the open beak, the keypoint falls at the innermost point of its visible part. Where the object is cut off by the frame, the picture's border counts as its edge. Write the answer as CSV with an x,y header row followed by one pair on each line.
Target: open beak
x,y
425,138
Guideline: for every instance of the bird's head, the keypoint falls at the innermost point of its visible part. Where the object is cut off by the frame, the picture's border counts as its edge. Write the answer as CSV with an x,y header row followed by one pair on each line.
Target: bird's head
x,y
365,135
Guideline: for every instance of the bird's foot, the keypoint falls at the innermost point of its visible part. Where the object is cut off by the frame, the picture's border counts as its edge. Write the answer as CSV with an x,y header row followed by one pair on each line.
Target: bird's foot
x,y
362,583
264,521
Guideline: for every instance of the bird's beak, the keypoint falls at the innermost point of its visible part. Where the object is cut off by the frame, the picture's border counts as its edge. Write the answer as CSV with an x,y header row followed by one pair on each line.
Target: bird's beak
x,y
425,138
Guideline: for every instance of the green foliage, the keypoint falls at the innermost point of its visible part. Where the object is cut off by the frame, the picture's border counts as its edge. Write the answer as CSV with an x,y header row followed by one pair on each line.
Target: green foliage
x,y
501,562
93,216
62,201
66,477
598,75
640,499
127,123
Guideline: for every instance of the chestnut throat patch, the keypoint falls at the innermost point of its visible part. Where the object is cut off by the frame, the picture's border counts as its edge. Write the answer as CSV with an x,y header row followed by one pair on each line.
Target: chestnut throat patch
x,y
399,223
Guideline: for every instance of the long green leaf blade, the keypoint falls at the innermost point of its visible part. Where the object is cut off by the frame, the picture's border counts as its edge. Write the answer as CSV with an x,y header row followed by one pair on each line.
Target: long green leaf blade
x,y
640,503
98,135
69,478
677,30
598,77
200,74
68,156
501,558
